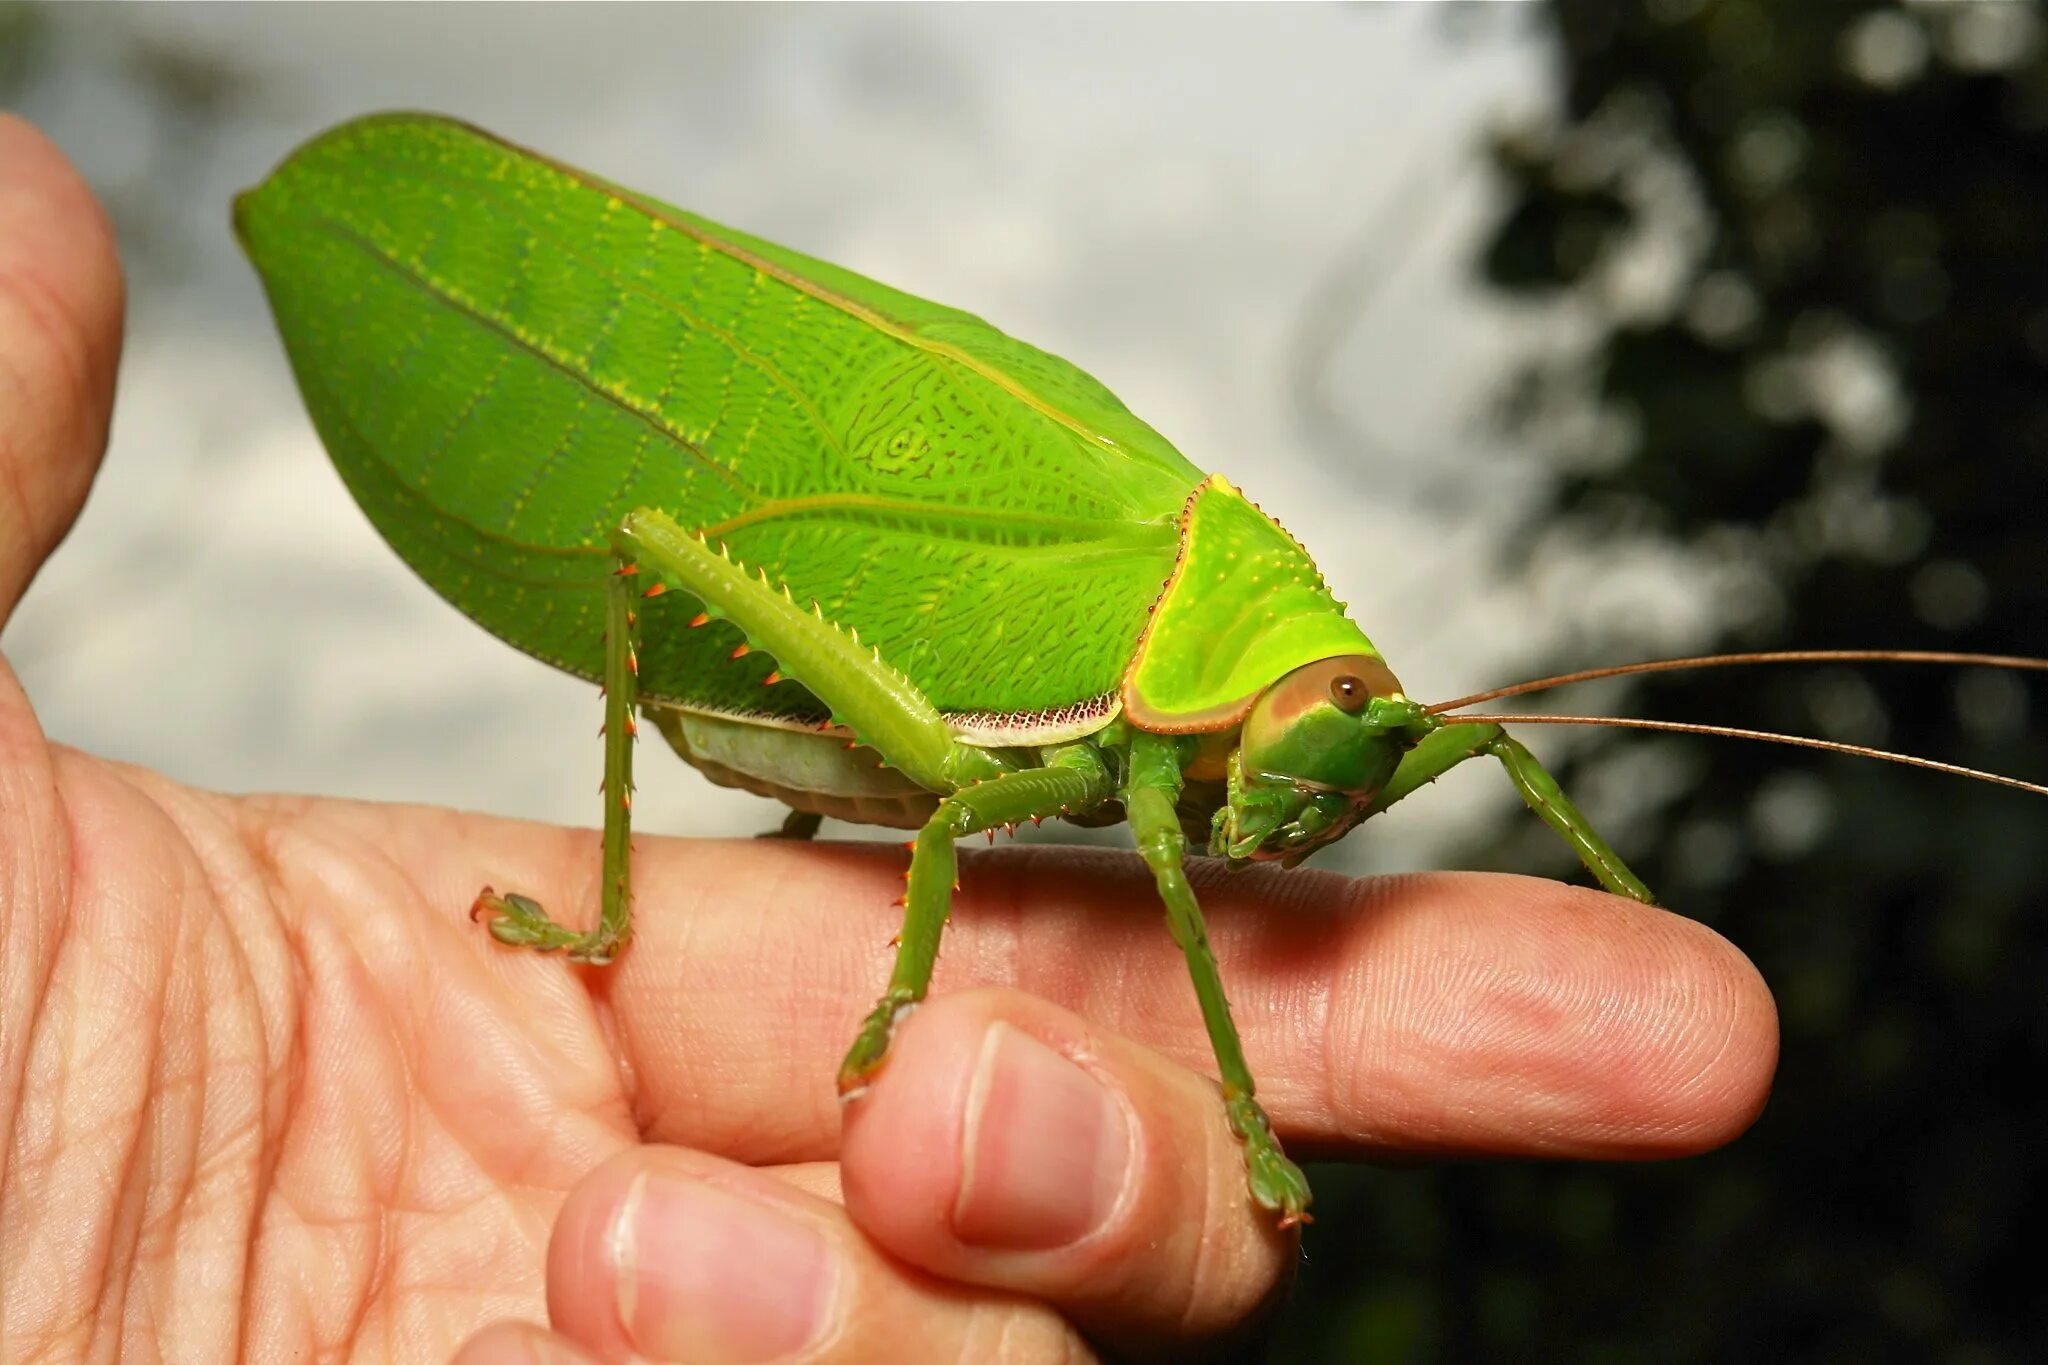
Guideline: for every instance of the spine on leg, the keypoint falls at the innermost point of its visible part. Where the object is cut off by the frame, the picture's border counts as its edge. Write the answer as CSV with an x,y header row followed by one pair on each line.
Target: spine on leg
x,y
885,710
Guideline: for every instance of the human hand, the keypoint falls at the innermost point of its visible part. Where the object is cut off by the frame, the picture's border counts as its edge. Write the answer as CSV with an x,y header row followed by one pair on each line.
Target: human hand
x,y
265,1090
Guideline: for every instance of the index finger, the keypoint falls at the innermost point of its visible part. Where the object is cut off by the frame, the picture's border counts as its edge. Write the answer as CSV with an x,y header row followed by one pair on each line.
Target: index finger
x,y
1444,1014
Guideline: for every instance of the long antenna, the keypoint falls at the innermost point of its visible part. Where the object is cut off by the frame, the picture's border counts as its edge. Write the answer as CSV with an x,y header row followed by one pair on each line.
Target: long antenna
x,y
1776,656
1680,727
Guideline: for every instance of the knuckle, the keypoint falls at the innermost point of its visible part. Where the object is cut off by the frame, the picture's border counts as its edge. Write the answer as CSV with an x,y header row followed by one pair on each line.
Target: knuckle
x,y
1009,1332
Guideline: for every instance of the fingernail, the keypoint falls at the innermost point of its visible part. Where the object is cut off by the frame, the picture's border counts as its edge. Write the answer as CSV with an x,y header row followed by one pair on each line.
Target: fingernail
x,y
1046,1149
708,1275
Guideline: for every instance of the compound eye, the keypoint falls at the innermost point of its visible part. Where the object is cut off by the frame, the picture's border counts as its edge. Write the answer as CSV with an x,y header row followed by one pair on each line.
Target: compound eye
x,y
1350,693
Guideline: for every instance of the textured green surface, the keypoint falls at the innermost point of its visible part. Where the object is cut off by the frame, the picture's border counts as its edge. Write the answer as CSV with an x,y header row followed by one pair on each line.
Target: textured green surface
x,y
504,356
1245,608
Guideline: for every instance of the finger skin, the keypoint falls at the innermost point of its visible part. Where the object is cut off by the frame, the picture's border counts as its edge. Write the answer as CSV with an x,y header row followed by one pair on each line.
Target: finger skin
x,y
60,337
748,1267
1436,1014
1182,1255
520,1343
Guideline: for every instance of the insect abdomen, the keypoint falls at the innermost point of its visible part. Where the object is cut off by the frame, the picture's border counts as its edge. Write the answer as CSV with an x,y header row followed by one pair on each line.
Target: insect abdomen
x,y
805,771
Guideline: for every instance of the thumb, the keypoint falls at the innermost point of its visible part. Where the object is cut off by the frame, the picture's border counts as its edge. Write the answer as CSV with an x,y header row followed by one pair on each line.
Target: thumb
x,y
60,335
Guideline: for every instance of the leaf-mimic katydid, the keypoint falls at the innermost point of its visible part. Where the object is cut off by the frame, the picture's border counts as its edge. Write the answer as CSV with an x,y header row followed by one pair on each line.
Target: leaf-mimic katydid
x,y
843,547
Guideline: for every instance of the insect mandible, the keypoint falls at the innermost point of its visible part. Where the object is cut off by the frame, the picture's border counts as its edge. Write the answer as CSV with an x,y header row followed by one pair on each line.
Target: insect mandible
x,y
843,547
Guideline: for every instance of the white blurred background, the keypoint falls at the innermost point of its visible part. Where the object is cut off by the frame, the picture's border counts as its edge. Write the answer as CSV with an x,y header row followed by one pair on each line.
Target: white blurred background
x,y
1255,225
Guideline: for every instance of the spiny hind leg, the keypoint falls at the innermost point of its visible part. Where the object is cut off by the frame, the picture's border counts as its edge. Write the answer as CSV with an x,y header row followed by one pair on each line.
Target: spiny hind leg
x,y
799,825
1073,779
886,712
1150,794
1444,749
882,707
520,920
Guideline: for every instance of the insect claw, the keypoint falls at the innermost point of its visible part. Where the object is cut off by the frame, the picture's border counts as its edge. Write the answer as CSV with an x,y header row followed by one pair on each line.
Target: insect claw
x,y
702,618
655,589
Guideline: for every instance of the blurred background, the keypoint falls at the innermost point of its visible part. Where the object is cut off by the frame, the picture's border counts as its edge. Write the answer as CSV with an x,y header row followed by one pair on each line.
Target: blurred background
x,y
1562,334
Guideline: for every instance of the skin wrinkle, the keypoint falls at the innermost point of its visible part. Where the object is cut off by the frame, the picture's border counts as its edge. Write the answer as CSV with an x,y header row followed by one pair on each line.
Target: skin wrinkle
x,y
1022,1334
417,1159
1433,973
143,1000
200,823
218,1157
369,1169
1349,1058
284,1088
1734,1122
62,342
1041,963
250,1135
407,1157
799,1072
176,1117
45,947
1205,1276
51,322
650,1110
1520,1007
1342,1051
1307,1002
14,513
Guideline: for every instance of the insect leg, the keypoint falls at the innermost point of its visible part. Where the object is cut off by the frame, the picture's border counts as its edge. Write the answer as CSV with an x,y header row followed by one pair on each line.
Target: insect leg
x,y
1149,796
1073,779
799,825
520,920
884,709
1446,748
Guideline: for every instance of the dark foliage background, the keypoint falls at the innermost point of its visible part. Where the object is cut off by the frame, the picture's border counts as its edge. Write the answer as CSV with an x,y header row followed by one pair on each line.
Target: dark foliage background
x,y
1837,398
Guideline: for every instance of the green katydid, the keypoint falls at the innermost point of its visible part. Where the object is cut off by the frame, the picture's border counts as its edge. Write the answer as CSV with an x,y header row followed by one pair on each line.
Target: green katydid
x,y
843,547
